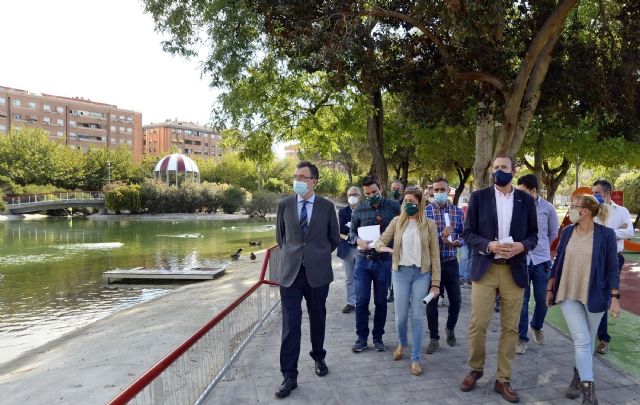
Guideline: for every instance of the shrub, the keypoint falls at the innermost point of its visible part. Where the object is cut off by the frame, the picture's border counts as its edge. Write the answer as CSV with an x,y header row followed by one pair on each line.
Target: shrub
x,y
211,195
630,184
233,199
276,185
262,202
3,203
124,198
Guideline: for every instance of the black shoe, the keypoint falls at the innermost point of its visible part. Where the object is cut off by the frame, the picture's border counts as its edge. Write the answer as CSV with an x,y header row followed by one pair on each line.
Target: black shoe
x,y
321,368
390,297
348,308
285,389
359,346
379,345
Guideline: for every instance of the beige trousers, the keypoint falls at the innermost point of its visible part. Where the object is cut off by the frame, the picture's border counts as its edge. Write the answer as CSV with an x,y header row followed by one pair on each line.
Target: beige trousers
x,y
497,279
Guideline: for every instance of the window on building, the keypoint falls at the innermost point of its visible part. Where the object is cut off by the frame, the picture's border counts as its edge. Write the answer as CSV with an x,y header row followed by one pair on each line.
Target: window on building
x,y
60,134
17,116
129,141
122,118
72,135
32,105
59,122
129,119
72,124
16,102
188,132
46,107
122,130
47,120
60,110
3,128
129,130
113,128
3,101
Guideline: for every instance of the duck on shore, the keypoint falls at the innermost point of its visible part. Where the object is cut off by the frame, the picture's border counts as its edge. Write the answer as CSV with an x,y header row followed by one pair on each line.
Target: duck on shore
x,y
252,256
255,243
236,255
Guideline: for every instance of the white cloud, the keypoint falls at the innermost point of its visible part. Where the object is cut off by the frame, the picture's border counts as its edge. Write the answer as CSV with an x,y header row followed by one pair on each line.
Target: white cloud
x,y
106,51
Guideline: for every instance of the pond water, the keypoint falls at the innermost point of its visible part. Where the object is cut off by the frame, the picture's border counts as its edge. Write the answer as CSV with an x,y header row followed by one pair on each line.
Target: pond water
x,y
51,269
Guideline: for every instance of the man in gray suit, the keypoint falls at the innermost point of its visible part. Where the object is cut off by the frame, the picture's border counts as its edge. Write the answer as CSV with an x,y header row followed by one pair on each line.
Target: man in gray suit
x,y
307,232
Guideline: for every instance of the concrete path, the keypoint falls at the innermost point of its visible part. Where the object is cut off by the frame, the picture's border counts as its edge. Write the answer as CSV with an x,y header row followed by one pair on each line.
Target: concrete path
x,y
540,376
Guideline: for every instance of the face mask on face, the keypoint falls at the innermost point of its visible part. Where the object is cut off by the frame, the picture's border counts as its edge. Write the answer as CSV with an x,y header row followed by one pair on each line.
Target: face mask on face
x,y
502,178
599,198
410,209
353,200
300,187
374,199
395,194
440,198
574,215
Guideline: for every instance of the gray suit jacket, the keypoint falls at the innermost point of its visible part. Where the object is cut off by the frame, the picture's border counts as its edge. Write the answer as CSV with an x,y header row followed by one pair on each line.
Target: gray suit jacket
x,y
314,249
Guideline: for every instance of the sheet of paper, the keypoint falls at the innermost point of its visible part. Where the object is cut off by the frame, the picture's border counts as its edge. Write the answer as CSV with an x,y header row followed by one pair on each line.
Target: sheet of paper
x,y
371,233
508,239
447,222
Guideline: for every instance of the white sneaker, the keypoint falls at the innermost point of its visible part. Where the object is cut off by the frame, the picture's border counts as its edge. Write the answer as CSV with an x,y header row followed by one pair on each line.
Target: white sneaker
x,y
537,334
521,348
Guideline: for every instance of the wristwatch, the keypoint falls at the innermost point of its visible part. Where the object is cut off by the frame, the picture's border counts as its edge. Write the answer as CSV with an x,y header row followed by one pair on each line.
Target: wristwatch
x,y
615,295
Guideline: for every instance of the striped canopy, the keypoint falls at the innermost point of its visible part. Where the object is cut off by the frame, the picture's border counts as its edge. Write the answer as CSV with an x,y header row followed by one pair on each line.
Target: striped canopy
x,y
176,162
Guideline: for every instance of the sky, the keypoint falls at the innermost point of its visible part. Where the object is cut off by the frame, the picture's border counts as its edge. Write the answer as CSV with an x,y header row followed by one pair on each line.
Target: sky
x,y
103,50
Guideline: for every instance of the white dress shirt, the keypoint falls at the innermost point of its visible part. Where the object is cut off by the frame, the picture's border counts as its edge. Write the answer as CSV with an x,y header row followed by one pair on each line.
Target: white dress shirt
x,y
504,208
619,220
310,202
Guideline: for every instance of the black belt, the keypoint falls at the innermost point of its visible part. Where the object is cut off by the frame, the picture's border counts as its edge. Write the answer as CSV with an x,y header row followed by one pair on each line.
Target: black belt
x,y
373,255
448,259
501,261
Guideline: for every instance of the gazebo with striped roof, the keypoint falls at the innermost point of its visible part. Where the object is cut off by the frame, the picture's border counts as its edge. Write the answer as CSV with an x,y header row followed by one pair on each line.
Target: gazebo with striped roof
x,y
173,166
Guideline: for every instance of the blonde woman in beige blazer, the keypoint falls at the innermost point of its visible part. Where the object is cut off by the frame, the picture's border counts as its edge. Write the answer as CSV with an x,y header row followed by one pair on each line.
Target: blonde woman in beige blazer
x,y
416,265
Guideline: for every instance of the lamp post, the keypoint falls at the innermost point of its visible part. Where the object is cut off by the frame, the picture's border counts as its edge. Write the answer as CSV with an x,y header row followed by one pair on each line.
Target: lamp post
x,y
108,171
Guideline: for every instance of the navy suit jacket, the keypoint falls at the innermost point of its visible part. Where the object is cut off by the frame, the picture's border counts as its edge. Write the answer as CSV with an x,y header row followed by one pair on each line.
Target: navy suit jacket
x,y
481,227
344,217
604,275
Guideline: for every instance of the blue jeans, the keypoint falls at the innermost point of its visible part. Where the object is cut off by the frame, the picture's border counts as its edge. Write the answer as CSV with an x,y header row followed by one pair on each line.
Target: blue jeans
x,y
410,287
366,273
538,276
603,329
348,263
466,257
582,326
450,282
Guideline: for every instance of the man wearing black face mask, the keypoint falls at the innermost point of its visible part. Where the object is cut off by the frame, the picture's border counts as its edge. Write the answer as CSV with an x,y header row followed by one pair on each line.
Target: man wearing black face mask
x,y
396,194
372,267
501,226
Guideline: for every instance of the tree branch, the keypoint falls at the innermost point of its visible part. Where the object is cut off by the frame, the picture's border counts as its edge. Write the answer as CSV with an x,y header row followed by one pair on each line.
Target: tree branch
x,y
482,77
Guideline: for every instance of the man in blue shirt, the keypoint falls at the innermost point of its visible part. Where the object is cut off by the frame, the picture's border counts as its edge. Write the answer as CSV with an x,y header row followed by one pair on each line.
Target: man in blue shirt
x,y
372,267
449,241
538,265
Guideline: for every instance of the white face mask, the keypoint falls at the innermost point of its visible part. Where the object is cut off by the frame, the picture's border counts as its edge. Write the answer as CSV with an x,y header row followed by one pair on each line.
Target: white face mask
x,y
353,200
574,215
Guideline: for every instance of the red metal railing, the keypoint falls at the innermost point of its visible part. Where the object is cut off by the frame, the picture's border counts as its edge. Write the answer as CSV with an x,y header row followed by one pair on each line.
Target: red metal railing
x,y
144,382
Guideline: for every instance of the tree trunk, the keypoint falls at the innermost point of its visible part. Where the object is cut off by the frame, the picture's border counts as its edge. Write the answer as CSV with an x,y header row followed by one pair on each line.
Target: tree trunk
x,y
552,177
404,174
636,223
375,137
463,175
484,146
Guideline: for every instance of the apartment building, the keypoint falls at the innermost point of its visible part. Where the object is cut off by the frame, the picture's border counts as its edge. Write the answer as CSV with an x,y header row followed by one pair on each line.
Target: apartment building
x,y
76,122
189,138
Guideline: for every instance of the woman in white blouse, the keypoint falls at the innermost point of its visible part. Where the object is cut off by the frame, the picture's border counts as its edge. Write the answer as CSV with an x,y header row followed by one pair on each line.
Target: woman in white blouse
x,y
415,265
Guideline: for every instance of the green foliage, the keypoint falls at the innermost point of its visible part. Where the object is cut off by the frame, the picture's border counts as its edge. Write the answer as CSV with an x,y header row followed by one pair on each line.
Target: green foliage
x,y
275,185
3,203
158,197
630,184
332,182
235,170
262,203
121,197
103,164
8,186
233,199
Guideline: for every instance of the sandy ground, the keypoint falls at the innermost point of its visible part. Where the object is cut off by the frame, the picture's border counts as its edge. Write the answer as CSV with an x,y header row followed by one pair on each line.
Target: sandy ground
x,y
92,364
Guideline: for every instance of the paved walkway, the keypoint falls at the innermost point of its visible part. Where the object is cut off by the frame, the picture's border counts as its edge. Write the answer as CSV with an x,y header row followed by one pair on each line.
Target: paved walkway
x,y
540,376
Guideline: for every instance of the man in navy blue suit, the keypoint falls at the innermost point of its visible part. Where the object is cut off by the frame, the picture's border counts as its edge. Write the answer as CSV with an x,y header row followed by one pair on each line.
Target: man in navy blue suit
x,y
501,227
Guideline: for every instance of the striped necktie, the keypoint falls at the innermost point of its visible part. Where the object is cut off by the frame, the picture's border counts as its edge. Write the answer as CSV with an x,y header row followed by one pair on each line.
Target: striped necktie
x,y
303,218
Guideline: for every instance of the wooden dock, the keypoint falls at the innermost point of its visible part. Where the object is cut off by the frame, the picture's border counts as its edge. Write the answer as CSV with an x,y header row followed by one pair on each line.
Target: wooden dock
x,y
155,274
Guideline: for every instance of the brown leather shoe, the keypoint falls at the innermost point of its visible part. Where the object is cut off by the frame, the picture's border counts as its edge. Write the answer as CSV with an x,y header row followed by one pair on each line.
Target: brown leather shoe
x,y
469,382
505,390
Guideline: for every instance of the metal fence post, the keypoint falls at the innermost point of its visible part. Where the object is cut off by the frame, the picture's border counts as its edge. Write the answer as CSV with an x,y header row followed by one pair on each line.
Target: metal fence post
x,y
259,305
226,342
157,391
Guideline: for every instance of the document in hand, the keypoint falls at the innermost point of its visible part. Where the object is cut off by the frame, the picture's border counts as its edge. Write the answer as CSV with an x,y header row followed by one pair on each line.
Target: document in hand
x,y
371,233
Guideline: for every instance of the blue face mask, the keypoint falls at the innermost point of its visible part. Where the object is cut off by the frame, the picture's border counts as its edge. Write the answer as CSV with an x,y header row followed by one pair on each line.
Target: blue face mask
x,y
599,198
440,198
300,187
502,178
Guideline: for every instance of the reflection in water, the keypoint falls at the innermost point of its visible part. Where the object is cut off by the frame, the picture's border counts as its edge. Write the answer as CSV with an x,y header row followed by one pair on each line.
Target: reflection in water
x,y
51,272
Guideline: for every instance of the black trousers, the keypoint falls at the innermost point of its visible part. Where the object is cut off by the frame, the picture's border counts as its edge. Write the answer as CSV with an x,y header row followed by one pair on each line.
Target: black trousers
x,y
291,303
450,281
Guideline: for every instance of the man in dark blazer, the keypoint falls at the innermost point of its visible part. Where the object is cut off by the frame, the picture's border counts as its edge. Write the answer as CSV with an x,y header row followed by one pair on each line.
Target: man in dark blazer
x,y
501,226
307,232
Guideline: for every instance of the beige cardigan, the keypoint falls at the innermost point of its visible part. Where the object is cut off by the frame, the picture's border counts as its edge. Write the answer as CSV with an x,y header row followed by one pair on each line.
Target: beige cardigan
x,y
429,241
